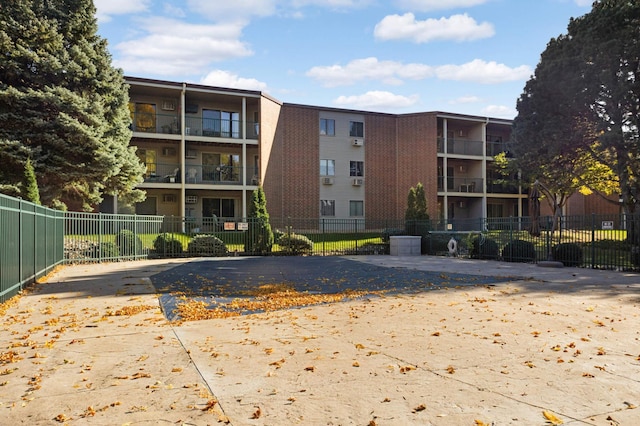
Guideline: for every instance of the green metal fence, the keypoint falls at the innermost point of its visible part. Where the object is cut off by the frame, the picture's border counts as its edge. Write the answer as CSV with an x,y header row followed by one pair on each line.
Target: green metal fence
x,y
34,239
31,243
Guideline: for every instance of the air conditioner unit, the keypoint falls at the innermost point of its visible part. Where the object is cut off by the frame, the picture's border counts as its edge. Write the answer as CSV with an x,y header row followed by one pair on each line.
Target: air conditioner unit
x,y
462,204
192,153
358,182
191,199
327,181
169,152
357,141
168,198
168,105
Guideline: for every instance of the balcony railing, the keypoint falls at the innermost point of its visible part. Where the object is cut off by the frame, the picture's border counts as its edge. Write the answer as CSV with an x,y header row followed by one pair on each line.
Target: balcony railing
x,y
162,172
469,185
495,148
501,187
461,146
219,175
144,122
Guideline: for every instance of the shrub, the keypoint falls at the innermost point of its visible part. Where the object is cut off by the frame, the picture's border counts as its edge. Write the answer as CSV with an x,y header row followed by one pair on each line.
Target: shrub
x,y
519,251
129,244
104,250
167,244
207,245
570,254
484,248
433,244
295,244
387,233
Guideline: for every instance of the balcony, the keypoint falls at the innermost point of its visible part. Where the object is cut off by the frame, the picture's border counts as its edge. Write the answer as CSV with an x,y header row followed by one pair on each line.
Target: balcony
x,y
219,175
501,187
464,185
145,122
495,148
162,173
461,146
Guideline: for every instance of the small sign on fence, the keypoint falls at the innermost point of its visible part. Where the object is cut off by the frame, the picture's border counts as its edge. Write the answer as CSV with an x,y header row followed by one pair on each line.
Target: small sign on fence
x,y
607,224
229,226
243,226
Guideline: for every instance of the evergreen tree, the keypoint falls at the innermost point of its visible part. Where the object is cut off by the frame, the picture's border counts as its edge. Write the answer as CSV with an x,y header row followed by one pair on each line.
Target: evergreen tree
x,y
416,215
410,213
31,192
63,105
260,235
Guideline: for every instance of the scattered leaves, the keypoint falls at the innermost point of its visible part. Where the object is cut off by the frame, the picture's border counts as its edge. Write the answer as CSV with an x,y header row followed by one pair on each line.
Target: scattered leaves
x,y
419,408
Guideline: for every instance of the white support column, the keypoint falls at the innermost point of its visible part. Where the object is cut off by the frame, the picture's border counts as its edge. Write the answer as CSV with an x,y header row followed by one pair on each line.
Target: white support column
x,y
183,150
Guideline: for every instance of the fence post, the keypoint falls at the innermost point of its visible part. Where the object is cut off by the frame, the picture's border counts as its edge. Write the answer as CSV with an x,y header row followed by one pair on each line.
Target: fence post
x,y
593,240
323,236
355,223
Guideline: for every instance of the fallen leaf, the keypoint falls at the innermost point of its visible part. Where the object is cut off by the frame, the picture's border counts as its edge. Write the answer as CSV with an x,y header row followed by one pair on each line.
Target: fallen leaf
x,y
551,418
419,408
257,413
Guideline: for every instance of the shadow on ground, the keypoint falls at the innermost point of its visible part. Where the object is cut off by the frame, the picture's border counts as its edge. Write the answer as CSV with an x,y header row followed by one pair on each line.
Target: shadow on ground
x,y
220,281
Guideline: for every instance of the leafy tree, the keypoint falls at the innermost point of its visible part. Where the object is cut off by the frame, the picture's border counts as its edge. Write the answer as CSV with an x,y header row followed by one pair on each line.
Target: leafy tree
x,y
260,235
63,105
416,215
30,183
554,137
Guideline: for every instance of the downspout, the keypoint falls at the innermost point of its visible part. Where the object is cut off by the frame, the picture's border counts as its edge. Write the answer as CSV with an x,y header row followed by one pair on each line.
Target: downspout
x,y
484,169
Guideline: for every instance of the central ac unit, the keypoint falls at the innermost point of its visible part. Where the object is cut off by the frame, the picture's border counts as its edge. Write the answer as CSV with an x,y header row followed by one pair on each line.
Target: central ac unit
x,y
357,142
168,198
168,152
327,181
358,182
191,153
191,199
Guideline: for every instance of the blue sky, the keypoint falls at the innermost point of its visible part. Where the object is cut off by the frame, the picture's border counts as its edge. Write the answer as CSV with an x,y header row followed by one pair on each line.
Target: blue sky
x,y
395,56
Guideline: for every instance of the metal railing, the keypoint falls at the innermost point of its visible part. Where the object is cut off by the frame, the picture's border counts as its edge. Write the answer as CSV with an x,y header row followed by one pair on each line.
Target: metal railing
x,y
35,239
147,122
31,243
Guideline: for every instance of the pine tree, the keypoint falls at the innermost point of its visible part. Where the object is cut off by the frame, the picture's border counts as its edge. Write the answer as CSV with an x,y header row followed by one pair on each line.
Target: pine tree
x,y
416,215
31,192
260,235
63,105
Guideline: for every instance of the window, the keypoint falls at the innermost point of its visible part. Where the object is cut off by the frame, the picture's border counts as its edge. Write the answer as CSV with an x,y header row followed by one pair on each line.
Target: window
x,y
218,207
148,158
221,167
327,207
356,208
356,168
327,167
220,123
356,129
327,127
143,117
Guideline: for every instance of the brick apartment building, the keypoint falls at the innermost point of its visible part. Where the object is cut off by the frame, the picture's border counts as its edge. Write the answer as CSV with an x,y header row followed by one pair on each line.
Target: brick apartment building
x,y
207,148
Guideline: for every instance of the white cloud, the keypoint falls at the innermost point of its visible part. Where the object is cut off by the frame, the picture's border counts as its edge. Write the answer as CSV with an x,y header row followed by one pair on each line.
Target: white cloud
x,y
376,100
227,79
332,4
107,8
174,47
465,100
499,111
584,3
456,27
389,72
429,5
480,71
394,73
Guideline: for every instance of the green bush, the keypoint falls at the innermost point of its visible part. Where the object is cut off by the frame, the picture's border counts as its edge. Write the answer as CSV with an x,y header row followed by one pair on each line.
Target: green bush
x,y
129,244
387,233
519,251
570,254
207,245
167,244
434,244
104,250
484,248
295,244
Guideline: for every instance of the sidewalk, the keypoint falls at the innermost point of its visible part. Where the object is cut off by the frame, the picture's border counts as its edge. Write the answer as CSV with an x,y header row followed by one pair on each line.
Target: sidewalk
x,y
91,346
